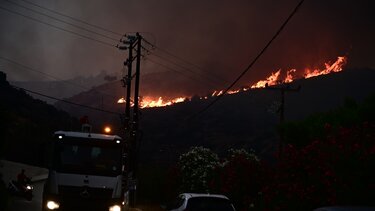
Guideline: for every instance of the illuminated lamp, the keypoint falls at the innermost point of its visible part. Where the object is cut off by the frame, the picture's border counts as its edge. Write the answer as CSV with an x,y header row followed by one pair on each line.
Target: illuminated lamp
x,y
107,129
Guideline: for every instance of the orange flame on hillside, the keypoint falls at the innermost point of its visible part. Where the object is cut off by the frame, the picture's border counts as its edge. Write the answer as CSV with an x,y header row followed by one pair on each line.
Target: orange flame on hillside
x,y
273,79
289,76
149,102
335,67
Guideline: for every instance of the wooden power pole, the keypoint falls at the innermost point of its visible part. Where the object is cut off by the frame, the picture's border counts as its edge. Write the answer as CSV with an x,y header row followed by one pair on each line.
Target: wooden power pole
x,y
282,89
131,120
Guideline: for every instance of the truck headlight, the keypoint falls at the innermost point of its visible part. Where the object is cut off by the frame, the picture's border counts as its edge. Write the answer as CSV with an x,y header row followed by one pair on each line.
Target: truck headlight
x,y
52,205
29,187
115,208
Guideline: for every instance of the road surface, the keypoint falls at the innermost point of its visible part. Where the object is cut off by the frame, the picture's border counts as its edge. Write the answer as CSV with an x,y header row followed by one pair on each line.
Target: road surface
x,y
21,204
10,170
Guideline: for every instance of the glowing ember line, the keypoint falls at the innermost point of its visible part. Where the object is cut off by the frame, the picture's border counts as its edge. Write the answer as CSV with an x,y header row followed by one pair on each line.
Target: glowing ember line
x,y
148,102
217,93
329,68
273,79
234,91
289,77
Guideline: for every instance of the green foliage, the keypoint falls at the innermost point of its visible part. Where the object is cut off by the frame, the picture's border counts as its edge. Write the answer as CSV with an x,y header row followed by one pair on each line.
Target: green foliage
x,y
240,178
248,155
329,160
337,169
318,126
197,167
239,175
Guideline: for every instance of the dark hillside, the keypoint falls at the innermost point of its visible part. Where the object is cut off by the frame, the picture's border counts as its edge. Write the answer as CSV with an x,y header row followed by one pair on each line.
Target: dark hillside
x,y
247,119
27,124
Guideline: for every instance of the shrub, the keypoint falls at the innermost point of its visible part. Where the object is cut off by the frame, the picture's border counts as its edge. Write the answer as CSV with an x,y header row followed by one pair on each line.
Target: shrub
x,y
196,168
335,170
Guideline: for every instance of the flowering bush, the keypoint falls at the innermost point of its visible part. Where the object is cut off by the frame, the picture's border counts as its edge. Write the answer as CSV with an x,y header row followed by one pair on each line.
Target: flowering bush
x,y
338,169
335,170
239,178
330,160
196,169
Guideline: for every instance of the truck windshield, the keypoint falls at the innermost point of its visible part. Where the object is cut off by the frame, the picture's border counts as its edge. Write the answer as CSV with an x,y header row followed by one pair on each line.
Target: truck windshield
x,y
88,159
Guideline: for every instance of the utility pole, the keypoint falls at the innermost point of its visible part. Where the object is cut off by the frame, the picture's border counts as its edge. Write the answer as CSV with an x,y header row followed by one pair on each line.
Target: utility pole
x,y
134,131
136,100
282,89
137,75
131,123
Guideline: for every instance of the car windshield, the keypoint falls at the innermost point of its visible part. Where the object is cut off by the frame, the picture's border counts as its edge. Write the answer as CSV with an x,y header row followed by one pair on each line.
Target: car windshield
x,y
209,204
88,159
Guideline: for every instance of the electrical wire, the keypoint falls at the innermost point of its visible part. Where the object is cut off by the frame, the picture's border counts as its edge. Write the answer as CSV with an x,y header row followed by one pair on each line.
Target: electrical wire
x,y
73,18
148,52
252,63
65,101
182,67
57,27
85,22
185,61
25,67
62,21
196,74
169,68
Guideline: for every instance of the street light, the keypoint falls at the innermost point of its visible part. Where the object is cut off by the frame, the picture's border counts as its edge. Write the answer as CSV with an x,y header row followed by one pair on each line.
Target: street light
x,y
107,129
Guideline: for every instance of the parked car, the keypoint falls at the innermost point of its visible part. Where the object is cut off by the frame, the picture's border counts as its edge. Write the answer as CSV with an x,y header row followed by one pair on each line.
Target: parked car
x,y
201,202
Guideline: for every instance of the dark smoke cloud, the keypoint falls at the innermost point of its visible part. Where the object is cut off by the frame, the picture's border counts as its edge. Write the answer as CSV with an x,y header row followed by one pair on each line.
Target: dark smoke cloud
x,y
220,36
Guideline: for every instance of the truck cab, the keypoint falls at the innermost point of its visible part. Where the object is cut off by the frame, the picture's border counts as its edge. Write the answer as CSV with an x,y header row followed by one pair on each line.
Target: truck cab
x,y
85,172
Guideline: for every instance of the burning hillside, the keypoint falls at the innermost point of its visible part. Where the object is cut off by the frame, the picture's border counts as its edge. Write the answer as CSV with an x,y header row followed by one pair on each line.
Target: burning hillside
x,y
274,79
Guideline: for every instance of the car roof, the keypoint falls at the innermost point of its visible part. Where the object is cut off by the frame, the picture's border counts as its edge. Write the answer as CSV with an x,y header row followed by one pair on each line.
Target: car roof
x,y
88,135
194,195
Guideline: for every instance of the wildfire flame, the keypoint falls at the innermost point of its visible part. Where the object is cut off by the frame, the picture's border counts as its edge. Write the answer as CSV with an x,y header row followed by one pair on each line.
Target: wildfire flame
x,y
148,102
273,79
121,100
289,76
335,67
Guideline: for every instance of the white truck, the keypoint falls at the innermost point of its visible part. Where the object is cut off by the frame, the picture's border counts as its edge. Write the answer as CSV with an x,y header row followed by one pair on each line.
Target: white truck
x,y
85,172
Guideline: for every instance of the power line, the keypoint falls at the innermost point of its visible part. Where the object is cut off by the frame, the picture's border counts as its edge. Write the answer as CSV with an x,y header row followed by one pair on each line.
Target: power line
x,y
174,70
29,68
73,18
253,62
57,27
50,76
169,68
65,101
62,21
187,69
85,22
185,61
166,66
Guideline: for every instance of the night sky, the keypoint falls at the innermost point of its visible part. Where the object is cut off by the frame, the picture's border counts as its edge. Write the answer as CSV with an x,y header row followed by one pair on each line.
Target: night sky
x,y
221,37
